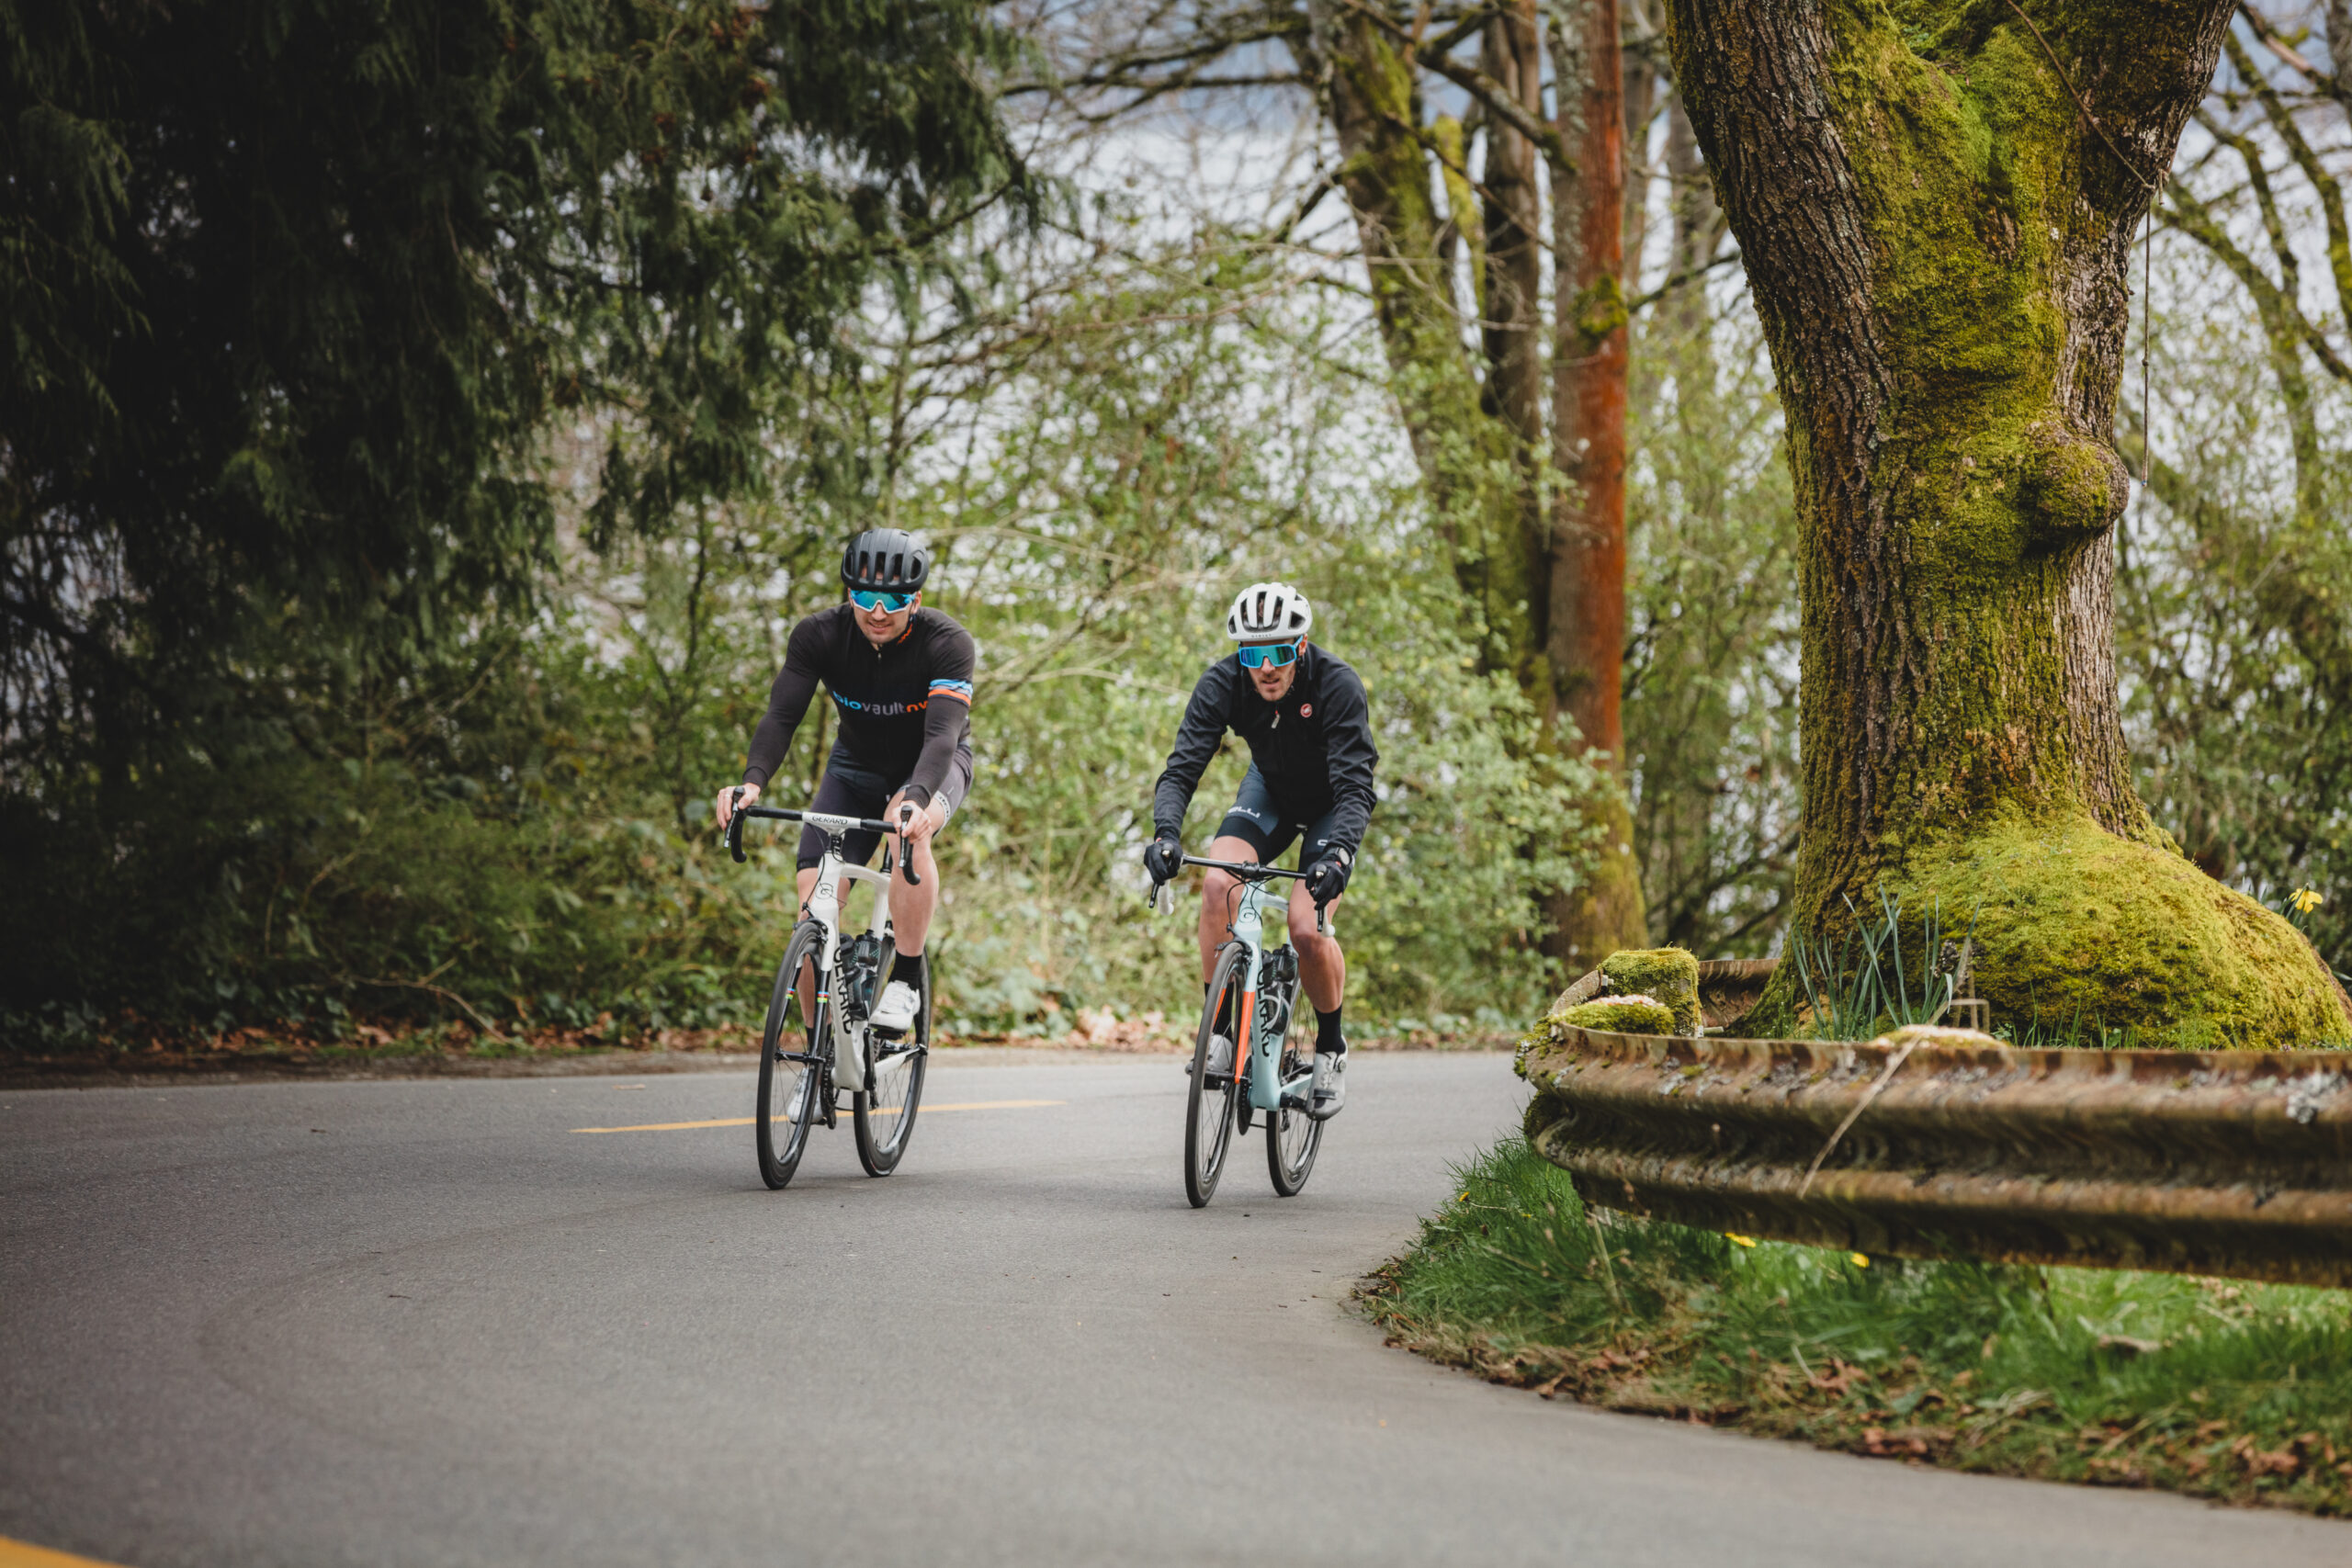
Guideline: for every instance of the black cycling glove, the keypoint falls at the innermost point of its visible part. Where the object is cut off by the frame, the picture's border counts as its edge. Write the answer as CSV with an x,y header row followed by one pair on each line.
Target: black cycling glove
x,y
1327,877
1164,857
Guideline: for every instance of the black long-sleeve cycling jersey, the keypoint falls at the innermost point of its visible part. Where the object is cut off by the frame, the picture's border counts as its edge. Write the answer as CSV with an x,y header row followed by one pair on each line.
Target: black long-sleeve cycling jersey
x,y
1314,748
906,709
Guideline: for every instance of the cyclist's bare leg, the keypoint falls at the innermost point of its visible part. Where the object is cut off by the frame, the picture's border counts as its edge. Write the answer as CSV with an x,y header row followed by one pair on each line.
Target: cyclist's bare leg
x,y
808,882
1322,967
912,907
1220,890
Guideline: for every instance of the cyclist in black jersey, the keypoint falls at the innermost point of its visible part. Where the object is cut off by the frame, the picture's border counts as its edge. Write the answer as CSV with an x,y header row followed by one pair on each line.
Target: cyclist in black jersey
x,y
1304,717
900,679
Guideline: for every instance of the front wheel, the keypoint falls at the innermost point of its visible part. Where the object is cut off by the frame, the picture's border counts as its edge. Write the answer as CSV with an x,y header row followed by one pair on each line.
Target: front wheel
x,y
789,1071
884,1118
1208,1121
1292,1136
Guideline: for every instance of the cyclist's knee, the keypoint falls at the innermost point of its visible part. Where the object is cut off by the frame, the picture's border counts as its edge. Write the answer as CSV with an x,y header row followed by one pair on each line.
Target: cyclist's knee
x,y
1305,937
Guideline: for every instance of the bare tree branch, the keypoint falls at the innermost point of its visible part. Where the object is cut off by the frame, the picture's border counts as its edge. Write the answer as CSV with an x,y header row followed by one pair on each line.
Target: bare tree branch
x,y
1489,92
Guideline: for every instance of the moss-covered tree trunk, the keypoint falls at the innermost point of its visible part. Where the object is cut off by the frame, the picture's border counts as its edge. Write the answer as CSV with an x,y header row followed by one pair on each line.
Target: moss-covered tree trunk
x,y
1937,231
1584,626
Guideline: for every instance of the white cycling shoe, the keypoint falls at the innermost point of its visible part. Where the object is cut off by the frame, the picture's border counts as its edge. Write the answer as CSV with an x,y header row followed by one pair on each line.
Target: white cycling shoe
x,y
1330,1093
895,1013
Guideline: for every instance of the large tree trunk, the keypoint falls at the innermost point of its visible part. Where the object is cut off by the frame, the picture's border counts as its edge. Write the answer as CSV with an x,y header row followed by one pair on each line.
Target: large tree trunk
x,y
1937,236
1585,628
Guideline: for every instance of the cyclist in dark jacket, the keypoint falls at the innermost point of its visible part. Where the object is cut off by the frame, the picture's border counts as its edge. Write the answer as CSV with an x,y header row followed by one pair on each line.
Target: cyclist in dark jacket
x,y
1302,714
901,677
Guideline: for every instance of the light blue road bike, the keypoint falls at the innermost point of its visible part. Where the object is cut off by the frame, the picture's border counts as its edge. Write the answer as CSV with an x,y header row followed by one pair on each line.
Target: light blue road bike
x,y
1251,1019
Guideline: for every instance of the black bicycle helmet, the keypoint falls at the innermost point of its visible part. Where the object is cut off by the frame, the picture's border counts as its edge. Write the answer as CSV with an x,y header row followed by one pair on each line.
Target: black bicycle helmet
x,y
887,559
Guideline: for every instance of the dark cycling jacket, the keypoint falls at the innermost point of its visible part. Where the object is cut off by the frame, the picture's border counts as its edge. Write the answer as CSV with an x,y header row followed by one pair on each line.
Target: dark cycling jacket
x,y
1314,748
906,710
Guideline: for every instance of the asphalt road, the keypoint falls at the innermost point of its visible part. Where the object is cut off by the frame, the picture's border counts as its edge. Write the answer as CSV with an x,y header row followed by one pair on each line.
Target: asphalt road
x,y
430,1322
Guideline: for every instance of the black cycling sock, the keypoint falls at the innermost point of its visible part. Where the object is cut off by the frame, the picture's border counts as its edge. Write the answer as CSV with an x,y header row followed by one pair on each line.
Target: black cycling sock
x,y
1326,1031
909,968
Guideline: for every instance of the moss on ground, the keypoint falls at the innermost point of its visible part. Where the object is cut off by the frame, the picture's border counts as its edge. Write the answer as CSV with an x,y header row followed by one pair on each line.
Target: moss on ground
x,y
2239,1393
1615,1015
2083,935
1620,1015
1669,975
2074,923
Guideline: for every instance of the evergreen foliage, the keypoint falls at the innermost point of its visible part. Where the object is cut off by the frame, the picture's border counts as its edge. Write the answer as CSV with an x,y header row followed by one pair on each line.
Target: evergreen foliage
x,y
291,287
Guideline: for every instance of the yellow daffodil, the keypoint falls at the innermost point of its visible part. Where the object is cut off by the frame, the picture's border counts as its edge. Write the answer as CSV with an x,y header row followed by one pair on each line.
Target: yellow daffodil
x,y
1743,1240
1858,1260
2306,899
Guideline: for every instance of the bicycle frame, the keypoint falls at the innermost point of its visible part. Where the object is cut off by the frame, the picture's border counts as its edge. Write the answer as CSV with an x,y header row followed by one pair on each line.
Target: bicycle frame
x,y
824,907
1261,1050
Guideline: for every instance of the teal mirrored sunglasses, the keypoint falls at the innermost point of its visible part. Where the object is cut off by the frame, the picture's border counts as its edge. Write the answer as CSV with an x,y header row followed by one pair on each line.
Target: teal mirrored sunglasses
x,y
1260,654
874,598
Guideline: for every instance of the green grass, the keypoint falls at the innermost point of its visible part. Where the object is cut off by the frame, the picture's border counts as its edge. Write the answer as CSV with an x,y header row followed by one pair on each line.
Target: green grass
x,y
2226,1389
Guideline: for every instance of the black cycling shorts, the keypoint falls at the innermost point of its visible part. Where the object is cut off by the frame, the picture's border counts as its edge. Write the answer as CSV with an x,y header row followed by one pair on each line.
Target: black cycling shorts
x,y
850,790
1259,818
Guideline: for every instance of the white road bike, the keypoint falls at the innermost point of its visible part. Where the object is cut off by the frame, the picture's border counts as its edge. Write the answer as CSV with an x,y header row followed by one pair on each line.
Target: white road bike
x,y
818,1044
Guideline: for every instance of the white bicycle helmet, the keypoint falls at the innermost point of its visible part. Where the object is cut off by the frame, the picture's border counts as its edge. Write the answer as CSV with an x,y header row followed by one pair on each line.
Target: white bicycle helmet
x,y
1269,612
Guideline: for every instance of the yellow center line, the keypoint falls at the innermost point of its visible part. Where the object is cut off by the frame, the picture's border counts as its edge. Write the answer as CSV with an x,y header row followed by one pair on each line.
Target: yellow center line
x,y
746,1121
24,1554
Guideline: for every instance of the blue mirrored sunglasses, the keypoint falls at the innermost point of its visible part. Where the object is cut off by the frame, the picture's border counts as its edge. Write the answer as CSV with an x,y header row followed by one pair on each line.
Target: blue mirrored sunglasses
x,y
1259,656
877,600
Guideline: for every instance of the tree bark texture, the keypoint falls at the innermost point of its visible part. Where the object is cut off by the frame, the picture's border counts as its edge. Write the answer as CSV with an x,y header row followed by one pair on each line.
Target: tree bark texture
x,y
1585,624
1639,73
1937,232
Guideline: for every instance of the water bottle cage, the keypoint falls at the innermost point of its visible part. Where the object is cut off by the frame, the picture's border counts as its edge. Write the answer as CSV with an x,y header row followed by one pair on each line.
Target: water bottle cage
x,y
861,959
1273,1015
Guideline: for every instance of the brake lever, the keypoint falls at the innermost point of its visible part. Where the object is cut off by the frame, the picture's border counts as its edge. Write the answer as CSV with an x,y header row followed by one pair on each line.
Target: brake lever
x,y
735,828
906,850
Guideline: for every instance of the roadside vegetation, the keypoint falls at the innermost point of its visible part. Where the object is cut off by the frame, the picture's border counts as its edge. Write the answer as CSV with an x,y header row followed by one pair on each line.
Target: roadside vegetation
x,y
2236,1391
442,773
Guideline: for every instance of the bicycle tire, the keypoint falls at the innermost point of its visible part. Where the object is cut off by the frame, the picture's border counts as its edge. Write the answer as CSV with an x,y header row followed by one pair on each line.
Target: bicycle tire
x,y
788,1090
884,1119
1208,1108
1293,1137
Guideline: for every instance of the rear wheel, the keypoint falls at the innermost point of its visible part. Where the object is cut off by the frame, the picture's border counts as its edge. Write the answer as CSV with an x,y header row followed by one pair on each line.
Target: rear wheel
x,y
1292,1135
789,1071
1208,1124
886,1117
